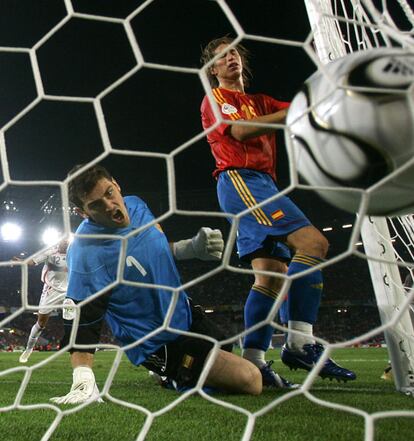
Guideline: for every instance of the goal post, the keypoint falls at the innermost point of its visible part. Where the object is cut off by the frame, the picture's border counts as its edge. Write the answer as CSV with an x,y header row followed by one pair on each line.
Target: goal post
x,y
339,28
391,300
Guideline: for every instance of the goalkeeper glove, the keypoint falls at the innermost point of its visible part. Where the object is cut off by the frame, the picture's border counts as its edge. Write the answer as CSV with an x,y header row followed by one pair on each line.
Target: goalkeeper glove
x,y
83,388
208,244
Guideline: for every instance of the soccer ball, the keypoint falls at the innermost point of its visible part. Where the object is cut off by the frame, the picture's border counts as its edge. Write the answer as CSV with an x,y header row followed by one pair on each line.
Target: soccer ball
x,y
352,127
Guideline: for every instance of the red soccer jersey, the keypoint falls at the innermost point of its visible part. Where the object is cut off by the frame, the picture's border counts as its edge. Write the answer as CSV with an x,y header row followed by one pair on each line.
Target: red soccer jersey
x,y
256,153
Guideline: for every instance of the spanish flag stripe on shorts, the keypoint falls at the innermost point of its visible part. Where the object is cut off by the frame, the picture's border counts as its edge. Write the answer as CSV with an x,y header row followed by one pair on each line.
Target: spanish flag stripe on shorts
x,y
278,214
248,198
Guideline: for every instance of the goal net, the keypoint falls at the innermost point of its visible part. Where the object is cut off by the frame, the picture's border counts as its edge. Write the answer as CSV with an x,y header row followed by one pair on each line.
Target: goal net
x,y
340,28
138,137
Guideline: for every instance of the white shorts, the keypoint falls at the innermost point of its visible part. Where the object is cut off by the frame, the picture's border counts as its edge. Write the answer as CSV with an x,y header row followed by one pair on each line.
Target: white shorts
x,y
49,298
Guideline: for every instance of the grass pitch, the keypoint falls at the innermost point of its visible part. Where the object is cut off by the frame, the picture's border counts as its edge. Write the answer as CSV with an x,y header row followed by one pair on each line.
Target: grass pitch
x,y
299,418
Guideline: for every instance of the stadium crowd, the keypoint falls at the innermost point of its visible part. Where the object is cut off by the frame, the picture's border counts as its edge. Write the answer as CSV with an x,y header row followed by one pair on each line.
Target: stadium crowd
x,y
347,311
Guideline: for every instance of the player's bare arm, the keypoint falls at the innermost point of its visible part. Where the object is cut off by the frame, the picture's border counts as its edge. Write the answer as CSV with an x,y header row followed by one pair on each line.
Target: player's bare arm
x,y
30,262
242,132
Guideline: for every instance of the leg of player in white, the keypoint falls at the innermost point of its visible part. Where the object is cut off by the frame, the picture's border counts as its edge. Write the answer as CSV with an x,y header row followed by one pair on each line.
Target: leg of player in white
x,y
48,300
35,333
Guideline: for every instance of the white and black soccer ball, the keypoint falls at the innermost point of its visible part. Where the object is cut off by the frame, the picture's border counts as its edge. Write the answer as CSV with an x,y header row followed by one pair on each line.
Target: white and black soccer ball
x,y
345,137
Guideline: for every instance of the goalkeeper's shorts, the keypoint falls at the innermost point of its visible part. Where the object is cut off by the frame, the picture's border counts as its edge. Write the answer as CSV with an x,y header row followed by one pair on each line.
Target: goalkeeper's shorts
x,y
264,227
183,359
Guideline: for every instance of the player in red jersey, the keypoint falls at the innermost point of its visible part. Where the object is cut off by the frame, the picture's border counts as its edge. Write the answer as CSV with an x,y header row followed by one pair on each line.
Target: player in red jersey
x,y
245,157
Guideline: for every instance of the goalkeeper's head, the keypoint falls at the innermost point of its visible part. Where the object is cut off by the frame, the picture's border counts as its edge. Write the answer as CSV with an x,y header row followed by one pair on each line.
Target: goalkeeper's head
x,y
97,196
210,51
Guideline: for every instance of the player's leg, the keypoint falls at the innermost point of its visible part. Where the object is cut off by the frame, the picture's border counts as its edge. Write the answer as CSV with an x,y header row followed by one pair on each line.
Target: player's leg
x,y
185,362
234,374
229,372
35,333
48,300
282,218
260,300
305,292
180,363
303,302
238,190
258,305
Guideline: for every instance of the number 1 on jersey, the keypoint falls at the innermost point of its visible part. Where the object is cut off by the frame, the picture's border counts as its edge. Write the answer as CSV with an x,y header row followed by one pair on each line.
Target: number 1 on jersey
x,y
131,261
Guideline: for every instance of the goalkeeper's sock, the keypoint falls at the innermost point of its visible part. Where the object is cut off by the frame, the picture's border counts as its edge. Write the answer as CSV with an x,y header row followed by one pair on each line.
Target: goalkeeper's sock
x,y
258,304
34,336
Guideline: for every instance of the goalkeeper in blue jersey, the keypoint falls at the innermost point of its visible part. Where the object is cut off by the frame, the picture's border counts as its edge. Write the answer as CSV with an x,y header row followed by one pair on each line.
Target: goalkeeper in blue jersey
x,y
134,313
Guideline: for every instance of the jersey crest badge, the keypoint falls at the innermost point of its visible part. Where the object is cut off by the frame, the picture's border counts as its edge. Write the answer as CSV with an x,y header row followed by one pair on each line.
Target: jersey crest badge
x,y
228,109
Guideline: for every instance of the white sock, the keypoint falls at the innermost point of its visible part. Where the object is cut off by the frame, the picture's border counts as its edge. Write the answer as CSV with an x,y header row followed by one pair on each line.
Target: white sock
x,y
256,356
34,335
296,341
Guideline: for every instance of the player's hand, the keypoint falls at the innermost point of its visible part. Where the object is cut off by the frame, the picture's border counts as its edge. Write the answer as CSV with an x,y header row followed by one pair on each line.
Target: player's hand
x,y
83,388
208,244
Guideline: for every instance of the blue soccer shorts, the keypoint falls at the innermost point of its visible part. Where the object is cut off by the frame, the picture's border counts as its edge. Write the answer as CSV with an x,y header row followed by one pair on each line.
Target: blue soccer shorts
x,y
239,190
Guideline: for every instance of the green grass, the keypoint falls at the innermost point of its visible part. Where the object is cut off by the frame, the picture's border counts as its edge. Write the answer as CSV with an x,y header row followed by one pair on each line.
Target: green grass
x,y
296,419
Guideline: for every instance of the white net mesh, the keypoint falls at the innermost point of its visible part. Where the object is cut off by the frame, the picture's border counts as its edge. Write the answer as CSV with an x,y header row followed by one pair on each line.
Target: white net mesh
x,y
377,30
362,24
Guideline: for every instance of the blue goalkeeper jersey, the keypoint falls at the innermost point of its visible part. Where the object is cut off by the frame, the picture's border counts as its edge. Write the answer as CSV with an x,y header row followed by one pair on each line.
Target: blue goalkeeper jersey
x,y
133,312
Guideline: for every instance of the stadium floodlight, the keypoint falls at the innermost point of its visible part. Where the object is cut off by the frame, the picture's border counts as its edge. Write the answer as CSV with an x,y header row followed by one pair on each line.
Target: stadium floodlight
x,y
10,231
51,236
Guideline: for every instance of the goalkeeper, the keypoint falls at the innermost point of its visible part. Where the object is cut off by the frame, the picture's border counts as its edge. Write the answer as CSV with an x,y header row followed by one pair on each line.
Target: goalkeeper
x,y
134,313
